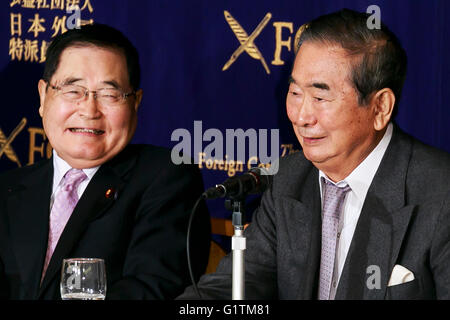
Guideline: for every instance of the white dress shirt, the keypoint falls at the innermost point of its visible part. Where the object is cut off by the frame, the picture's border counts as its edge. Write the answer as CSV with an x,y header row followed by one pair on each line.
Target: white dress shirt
x,y
359,181
60,169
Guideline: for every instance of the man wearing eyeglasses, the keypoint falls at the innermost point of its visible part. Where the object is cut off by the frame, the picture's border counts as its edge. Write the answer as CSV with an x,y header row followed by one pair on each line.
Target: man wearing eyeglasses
x,y
99,196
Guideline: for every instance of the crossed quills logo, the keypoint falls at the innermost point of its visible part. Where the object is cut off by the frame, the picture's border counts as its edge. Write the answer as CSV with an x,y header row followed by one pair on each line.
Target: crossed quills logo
x,y
6,147
38,146
247,42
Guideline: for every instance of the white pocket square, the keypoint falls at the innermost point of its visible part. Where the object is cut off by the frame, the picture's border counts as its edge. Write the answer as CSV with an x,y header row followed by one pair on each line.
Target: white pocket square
x,y
400,275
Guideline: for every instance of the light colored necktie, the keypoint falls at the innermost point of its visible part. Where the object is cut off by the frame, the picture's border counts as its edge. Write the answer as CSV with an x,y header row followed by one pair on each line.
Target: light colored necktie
x,y
333,198
65,201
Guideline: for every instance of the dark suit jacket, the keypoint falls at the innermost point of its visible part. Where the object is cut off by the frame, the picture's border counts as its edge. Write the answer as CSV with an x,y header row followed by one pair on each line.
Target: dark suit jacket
x,y
140,232
405,220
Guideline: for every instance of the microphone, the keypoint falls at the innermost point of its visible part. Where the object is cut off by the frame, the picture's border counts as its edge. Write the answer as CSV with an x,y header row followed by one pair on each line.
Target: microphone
x,y
256,180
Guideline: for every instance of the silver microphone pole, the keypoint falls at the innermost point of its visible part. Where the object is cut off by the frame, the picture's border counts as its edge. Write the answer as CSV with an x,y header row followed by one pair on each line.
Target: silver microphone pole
x,y
238,246
256,180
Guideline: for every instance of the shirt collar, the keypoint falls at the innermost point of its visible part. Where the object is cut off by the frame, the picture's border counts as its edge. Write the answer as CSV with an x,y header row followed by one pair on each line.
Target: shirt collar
x,y
361,177
61,167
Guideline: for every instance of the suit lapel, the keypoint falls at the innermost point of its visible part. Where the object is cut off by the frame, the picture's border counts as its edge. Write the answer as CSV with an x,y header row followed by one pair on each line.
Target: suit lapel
x,y
372,254
381,227
302,208
99,195
28,216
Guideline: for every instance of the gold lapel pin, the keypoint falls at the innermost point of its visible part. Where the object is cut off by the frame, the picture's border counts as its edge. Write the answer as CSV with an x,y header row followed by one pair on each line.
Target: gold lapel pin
x,y
110,193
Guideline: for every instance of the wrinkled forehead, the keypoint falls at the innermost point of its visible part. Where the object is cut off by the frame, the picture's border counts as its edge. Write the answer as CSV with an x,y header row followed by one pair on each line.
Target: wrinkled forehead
x,y
90,61
324,61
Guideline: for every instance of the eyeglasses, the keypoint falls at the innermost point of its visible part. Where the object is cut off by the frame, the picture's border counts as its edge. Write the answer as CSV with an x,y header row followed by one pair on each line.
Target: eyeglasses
x,y
105,96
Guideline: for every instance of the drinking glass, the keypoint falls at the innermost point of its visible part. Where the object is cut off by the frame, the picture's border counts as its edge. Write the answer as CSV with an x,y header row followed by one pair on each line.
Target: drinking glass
x,y
83,279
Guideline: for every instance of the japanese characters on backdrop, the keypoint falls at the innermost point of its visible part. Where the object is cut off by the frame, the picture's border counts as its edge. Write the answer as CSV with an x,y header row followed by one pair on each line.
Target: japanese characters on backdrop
x,y
33,23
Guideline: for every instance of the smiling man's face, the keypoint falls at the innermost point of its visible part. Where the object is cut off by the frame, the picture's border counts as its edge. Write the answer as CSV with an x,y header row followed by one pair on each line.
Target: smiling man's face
x,y
86,133
335,132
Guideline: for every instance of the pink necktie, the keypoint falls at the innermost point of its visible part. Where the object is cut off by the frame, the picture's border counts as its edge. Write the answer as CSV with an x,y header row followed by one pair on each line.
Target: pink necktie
x,y
333,199
65,201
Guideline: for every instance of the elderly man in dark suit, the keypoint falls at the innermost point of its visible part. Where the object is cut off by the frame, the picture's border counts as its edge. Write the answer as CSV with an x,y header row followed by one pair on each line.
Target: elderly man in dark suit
x,y
98,196
363,212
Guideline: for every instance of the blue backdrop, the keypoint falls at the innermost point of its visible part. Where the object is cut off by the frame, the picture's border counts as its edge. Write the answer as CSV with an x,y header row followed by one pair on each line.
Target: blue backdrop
x,y
184,46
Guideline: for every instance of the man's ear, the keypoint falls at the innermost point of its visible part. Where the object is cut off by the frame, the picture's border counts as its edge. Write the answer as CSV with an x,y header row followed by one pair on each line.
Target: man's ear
x,y
138,99
42,88
383,101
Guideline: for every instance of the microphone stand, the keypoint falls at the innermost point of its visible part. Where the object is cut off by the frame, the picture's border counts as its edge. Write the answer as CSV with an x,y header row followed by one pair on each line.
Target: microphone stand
x,y
238,246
